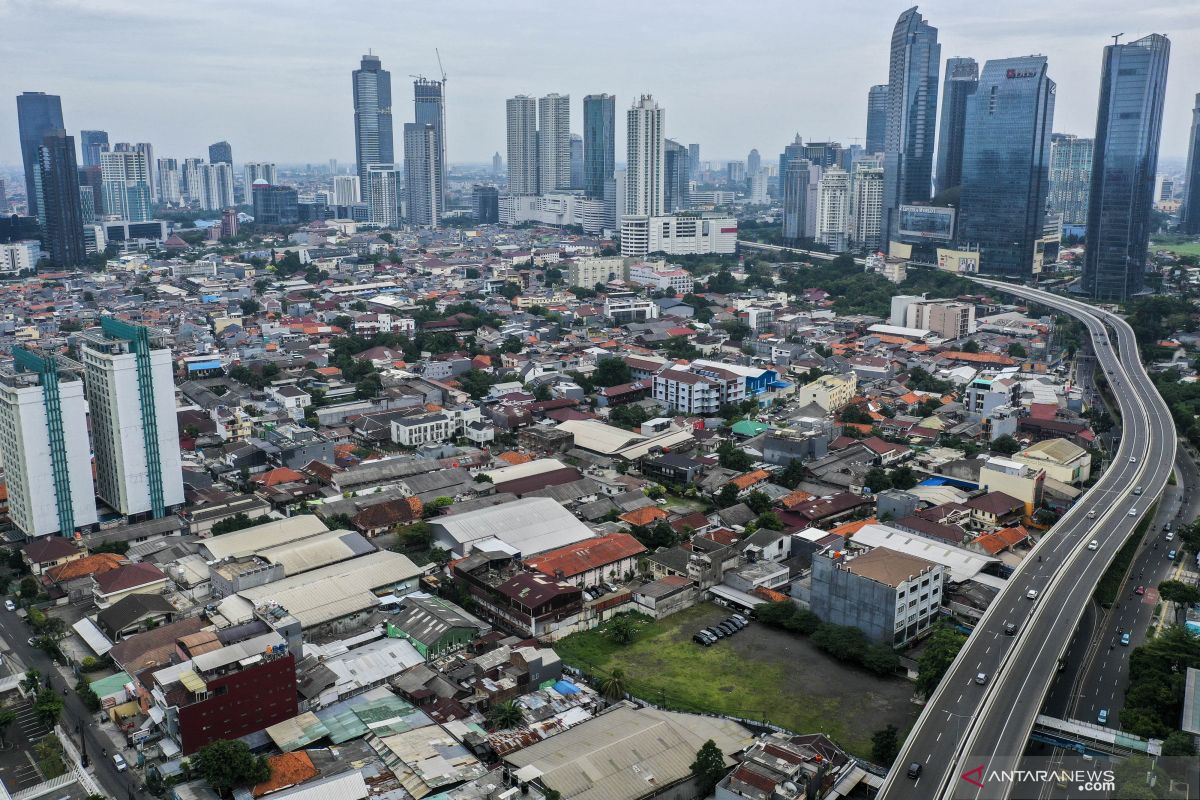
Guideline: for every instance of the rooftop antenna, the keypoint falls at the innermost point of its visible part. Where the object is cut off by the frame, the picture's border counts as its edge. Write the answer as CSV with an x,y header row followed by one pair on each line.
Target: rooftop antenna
x,y
1117,37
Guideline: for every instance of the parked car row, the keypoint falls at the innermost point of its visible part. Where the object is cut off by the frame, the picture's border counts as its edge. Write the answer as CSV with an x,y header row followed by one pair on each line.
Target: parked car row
x,y
720,630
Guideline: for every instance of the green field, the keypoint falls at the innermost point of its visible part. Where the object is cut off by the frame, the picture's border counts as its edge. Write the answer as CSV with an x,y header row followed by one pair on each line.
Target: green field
x,y
759,673
1182,249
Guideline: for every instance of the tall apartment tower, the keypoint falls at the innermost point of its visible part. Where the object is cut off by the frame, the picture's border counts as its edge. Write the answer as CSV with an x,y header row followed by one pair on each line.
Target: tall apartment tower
x,y
797,184
694,160
422,179
1070,177
1006,164
676,183
170,186
38,115
912,115
429,107
866,205
147,150
576,161
58,200
877,115
833,209
45,446
522,145
126,177
791,151
1190,214
962,78
135,437
497,163
346,190
1133,83
599,143
220,153
753,162
554,143
373,143
382,195
645,176
91,145
254,170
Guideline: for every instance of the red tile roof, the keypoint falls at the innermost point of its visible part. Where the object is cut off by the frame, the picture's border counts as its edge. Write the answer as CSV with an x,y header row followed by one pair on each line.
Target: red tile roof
x,y
576,559
129,576
643,516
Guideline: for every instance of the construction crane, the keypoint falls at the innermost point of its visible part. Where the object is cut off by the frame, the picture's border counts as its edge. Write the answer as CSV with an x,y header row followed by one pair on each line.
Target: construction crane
x,y
441,69
1117,37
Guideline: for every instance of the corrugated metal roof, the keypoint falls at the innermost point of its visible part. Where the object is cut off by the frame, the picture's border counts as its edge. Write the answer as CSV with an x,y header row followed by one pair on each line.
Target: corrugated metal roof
x,y
270,534
532,525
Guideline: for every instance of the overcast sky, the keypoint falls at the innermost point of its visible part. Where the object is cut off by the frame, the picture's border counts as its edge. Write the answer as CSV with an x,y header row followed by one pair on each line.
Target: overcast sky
x,y
273,76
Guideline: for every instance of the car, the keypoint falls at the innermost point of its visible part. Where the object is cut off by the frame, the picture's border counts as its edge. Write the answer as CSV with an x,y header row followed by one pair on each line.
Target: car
x,y
1093,545
713,630
741,618
1102,717
1010,629
701,639
1133,512
32,641
1138,490
981,678
1031,594
1125,638
729,628
914,770
119,762
1091,514
1170,537
9,605
1171,555
1141,590
737,624
1133,459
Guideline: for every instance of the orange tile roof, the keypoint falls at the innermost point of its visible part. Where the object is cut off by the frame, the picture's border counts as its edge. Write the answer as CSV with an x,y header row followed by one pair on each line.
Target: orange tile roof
x,y
287,769
851,528
643,516
745,481
1002,539
770,595
576,559
274,477
861,427
978,358
514,458
794,499
96,564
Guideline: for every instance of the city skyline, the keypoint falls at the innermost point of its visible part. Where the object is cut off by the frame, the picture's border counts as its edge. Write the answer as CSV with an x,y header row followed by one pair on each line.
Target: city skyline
x,y
685,71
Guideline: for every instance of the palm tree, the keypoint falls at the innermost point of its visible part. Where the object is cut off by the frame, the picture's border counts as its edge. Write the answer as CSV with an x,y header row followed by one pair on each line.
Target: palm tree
x,y
505,715
614,687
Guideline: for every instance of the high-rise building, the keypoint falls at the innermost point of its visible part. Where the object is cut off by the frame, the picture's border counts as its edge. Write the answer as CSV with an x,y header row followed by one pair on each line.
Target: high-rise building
x,y
274,205
57,194
373,143
676,184
1190,213
1070,177
45,447
93,143
346,190
790,152
1006,164
253,171
220,153
962,77
229,223
485,201
866,205
382,195
170,186
429,107
645,176
599,142
147,150
213,185
797,194
522,145
422,184
759,195
912,115
576,161
135,436
753,162
833,209
1124,161
497,164
554,143
93,178
3,197
694,160
877,116
126,178
189,179
735,172
38,115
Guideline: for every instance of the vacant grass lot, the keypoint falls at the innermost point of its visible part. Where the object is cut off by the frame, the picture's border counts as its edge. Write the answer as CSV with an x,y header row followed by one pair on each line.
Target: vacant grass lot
x,y
758,673
1184,249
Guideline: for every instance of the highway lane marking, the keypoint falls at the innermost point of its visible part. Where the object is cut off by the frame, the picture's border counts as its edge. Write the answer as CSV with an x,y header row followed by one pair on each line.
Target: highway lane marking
x,y
939,737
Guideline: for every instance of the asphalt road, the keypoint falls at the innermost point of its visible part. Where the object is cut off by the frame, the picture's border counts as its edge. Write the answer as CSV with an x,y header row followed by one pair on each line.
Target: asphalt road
x,y
968,725
117,785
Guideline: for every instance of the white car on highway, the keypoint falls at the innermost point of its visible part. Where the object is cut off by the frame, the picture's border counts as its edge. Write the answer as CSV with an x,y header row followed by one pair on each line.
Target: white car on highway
x,y
1031,594
1093,545
1133,512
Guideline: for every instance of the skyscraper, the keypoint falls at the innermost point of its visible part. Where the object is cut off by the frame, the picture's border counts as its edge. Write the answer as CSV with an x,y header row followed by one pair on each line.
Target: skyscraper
x,y
877,116
57,195
790,152
797,185
373,142
3,197
866,205
576,161
962,77
645,174
382,195
429,106
497,163
126,178
422,183
676,184
213,186
93,178
220,153
38,115
170,185
253,170
1006,164
694,160
599,142
1070,177
135,435
45,447
1190,214
833,209
147,149
753,162
554,143
346,190
93,143
522,145
912,115
1124,161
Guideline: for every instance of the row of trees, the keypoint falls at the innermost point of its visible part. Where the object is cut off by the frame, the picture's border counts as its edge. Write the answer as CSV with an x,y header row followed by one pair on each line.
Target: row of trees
x,y
843,642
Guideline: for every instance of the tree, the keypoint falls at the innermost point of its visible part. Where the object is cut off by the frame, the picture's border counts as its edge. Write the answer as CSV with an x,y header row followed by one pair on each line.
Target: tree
x,y
940,651
727,497
1179,592
228,764
1177,743
249,306
733,457
709,767
48,706
89,698
505,715
614,686
885,745
31,681
792,474
759,502
7,717
1017,350
903,477
611,371
970,346
877,480
552,277
631,415
29,587
621,629
856,415
769,520
237,522
1006,445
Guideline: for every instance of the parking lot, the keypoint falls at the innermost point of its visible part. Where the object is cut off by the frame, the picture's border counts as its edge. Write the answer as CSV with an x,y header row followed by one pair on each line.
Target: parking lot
x,y
18,762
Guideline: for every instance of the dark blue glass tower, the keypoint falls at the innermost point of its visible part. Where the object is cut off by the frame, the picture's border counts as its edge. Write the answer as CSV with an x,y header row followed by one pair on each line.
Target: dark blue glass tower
x,y
962,77
1133,81
57,192
373,141
38,115
877,111
599,142
1190,216
1006,164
